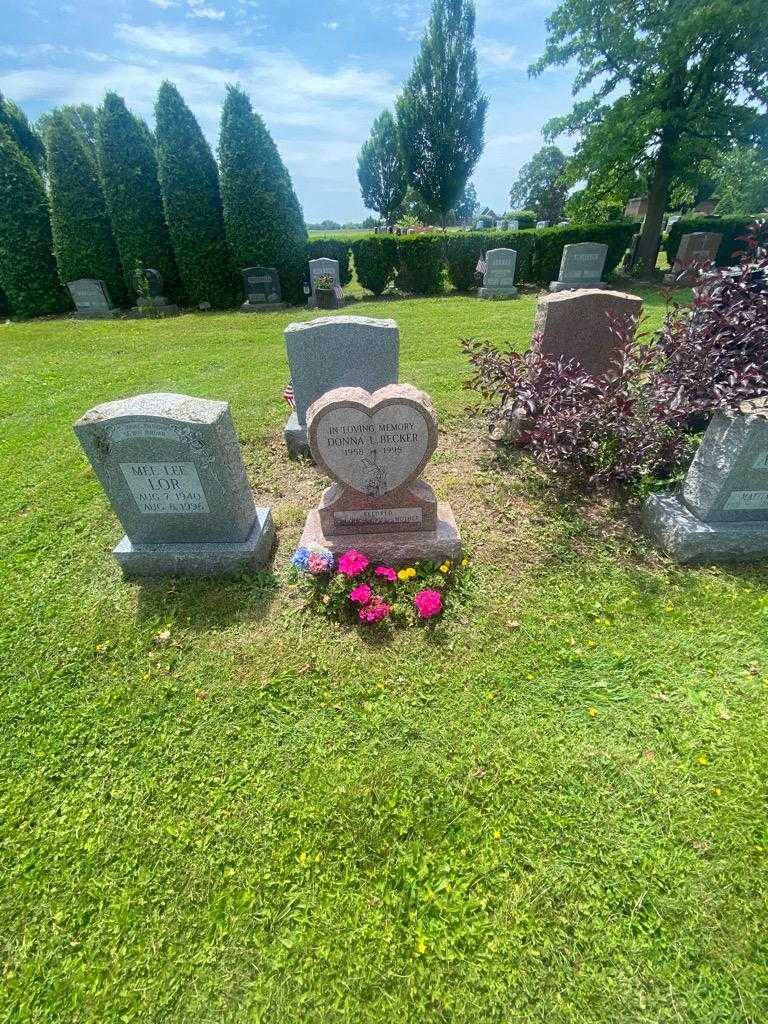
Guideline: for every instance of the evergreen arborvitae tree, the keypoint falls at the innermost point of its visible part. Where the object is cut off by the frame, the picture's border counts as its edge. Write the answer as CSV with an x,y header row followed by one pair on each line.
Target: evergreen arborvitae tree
x,y
28,274
189,182
441,112
15,122
262,215
380,169
128,171
82,234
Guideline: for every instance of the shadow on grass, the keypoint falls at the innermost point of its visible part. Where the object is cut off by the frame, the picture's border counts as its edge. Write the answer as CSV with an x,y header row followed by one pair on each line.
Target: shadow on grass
x,y
204,604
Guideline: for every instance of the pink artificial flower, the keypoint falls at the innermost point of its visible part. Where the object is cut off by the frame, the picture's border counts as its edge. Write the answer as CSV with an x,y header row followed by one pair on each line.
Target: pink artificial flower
x,y
361,594
317,564
387,573
428,603
352,563
376,609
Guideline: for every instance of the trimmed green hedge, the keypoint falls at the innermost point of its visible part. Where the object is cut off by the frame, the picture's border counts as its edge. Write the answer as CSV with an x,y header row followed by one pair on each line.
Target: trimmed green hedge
x,y
549,243
375,261
128,169
463,252
189,184
82,234
28,273
334,250
729,227
421,263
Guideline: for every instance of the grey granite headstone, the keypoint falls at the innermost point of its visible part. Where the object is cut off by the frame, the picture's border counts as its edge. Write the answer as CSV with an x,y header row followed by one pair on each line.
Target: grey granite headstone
x,y
151,301
695,250
173,471
720,513
91,299
499,276
581,266
319,267
332,352
542,223
261,286
514,225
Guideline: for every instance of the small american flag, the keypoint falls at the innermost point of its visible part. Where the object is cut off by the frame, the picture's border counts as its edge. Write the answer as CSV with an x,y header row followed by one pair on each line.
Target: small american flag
x,y
288,394
481,267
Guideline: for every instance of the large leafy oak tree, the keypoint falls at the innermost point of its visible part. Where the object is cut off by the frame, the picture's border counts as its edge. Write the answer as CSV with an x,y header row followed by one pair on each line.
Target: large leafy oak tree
x,y
673,82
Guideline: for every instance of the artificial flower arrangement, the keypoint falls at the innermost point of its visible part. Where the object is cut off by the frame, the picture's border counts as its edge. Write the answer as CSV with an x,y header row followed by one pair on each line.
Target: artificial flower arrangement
x,y
354,589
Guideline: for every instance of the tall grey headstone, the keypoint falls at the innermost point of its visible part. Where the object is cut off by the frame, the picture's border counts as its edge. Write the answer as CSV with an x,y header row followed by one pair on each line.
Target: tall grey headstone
x,y
720,513
695,250
319,268
499,276
261,286
332,352
173,471
542,223
91,299
581,266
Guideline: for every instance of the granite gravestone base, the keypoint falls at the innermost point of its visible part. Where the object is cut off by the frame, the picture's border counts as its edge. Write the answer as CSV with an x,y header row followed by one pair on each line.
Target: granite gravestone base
x,y
499,276
720,513
91,299
581,266
374,446
173,472
696,250
261,286
331,352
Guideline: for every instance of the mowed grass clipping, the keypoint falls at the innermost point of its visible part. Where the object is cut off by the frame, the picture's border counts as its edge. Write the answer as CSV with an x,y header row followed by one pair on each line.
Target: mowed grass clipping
x,y
550,809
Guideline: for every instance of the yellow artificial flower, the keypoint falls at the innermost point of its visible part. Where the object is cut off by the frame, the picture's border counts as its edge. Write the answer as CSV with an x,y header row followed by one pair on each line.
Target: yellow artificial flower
x,y
444,568
403,574
465,562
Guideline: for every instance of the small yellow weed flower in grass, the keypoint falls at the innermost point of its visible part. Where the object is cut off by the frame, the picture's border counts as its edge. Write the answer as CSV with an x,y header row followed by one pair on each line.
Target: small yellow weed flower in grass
x,y
422,947
592,712
703,759
496,834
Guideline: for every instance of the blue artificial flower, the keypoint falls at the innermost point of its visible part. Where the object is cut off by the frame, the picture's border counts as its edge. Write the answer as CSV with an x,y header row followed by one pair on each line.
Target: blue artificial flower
x,y
300,559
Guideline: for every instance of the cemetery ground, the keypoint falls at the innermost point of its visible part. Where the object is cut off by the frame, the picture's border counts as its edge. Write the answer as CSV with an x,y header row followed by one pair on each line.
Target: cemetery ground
x,y
550,807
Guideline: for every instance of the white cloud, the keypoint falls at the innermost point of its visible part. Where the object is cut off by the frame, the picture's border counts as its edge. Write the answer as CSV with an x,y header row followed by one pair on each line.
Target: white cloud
x,y
164,4
174,40
332,25
494,56
212,13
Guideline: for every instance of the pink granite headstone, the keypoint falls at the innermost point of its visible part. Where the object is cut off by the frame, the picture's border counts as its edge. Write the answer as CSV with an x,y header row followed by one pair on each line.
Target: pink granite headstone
x,y
577,325
374,447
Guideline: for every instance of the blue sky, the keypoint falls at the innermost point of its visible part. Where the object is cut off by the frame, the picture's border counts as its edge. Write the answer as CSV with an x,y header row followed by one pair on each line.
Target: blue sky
x,y
317,72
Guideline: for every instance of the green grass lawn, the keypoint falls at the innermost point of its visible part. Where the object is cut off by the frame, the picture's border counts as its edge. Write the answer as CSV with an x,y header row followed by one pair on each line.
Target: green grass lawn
x,y
551,809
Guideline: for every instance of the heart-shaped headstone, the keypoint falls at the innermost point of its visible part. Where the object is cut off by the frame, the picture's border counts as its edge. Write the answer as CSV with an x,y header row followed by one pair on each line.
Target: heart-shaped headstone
x,y
373,443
